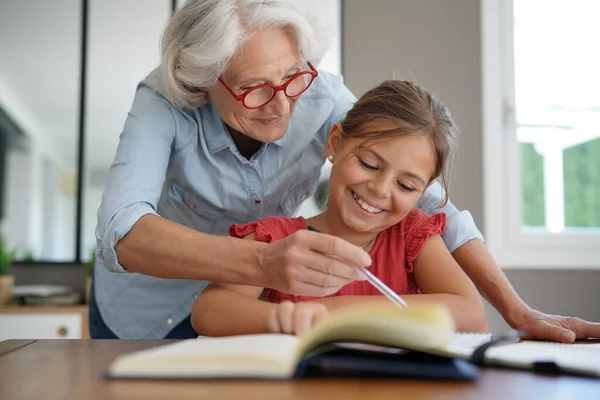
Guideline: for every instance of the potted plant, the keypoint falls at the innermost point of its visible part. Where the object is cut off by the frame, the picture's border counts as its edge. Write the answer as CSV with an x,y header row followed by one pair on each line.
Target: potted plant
x,y
7,281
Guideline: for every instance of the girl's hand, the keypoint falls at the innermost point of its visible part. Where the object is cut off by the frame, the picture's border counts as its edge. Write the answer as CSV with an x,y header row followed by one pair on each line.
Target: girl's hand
x,y
295,318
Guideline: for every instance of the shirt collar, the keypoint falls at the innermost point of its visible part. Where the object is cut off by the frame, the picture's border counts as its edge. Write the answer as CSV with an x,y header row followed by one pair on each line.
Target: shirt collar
x,y
215,132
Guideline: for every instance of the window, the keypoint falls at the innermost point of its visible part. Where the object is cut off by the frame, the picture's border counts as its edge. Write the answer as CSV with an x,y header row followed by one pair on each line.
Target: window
x,y
542,132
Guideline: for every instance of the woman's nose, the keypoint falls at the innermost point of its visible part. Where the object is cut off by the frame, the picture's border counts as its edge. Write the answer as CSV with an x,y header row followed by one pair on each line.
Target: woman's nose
x,y
280,104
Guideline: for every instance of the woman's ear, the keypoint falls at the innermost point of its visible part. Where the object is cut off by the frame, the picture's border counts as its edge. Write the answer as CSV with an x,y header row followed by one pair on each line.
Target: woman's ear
x,y
333,140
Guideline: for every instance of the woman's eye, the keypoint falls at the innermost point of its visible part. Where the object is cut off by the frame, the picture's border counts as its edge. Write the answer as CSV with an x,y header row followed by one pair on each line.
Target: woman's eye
x,y
406,187
367,166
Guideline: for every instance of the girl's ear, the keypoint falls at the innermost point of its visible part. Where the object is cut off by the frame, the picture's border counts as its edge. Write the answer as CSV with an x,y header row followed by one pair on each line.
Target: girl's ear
x,y
333,140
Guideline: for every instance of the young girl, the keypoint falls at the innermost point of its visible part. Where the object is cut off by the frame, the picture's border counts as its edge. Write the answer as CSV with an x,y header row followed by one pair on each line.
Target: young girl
x,y
395,141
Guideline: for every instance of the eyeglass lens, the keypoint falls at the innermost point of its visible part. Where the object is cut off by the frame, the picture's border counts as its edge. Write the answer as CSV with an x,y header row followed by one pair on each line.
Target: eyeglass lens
x,y
261,96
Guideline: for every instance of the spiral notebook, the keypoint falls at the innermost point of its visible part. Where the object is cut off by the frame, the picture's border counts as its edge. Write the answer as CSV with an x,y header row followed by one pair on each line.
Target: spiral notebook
x,y
547,357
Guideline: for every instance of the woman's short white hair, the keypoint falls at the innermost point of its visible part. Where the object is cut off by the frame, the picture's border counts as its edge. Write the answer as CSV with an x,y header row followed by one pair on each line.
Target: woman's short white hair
x,y
203,35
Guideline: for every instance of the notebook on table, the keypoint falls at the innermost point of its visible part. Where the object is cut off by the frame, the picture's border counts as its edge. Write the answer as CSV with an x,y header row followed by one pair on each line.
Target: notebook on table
x,y
368,340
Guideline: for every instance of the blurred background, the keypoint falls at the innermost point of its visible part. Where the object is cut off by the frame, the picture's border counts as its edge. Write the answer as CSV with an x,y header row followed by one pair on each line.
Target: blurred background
x,y
522,74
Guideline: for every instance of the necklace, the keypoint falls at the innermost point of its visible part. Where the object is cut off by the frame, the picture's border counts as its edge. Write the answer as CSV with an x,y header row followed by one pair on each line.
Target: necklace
x,y
311,228
369,243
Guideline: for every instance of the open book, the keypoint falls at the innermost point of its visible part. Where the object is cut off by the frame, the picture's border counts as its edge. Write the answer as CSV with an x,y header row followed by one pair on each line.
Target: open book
x,y
366,340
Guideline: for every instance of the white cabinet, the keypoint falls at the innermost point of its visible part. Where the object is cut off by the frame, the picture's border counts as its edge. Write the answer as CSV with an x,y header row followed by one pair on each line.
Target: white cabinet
x,y
42,323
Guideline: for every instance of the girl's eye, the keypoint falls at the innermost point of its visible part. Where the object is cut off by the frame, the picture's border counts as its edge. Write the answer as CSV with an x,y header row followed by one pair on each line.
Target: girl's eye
x,y
406,187
367,166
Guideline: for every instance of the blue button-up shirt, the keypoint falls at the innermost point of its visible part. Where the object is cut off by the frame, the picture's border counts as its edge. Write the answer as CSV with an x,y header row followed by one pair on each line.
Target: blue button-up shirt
x,y
184,166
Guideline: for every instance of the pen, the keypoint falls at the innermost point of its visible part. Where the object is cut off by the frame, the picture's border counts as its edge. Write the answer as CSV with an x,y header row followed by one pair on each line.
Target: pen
x,y
378,284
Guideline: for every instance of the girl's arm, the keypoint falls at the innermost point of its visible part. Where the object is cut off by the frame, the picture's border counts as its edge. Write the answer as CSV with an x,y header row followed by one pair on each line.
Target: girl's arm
x,y
440,279
224,309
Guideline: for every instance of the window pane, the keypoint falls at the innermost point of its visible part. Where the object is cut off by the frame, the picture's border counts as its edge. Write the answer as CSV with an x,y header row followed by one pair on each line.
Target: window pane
x,y
558,111
39,94
582,185
119,57
533,186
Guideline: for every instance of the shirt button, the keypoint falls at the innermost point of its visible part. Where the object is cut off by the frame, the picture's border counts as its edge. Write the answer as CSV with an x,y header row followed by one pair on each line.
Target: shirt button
x,y
193,206
170,321
303,197
257,201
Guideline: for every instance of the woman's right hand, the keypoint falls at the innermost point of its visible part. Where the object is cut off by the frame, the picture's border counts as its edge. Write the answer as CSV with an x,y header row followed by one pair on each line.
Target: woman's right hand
x,y
311,264
295,318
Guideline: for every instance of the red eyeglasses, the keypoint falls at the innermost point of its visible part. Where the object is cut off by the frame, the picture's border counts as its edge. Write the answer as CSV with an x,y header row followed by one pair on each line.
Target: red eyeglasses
x,y
259,96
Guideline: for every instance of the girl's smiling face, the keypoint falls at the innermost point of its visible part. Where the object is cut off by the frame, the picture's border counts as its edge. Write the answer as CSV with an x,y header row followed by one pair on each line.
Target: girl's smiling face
x,y
374,184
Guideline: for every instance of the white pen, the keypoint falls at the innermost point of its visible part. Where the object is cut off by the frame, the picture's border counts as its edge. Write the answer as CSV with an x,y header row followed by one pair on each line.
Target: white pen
x,y
382,287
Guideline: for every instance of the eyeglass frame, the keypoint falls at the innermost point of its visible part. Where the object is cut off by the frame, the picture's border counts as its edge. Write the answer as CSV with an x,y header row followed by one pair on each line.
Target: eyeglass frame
x,y
241,97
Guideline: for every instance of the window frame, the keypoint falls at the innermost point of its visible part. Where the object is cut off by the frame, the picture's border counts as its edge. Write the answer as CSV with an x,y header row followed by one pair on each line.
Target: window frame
x,y
510,245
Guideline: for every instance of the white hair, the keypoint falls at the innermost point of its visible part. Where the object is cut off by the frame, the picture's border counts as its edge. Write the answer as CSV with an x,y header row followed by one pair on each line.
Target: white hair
x,y
203,35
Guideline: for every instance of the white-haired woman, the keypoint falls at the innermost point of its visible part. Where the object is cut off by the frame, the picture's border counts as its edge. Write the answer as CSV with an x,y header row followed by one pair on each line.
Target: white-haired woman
x,y
231,128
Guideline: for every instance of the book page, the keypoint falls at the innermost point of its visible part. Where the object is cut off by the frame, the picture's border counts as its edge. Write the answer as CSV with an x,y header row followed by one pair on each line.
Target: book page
x,y
420,327
251,356
579,358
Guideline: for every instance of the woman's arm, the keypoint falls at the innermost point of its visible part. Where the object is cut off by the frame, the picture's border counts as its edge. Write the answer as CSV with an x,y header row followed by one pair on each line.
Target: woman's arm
x,y
304,263
480,266
464,241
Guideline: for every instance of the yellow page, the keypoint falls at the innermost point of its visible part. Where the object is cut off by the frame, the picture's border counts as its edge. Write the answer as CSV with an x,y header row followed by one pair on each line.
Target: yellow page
x,y
419,327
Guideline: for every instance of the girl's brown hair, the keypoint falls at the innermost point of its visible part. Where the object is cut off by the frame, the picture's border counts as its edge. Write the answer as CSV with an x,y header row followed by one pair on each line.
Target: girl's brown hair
x,y
407,109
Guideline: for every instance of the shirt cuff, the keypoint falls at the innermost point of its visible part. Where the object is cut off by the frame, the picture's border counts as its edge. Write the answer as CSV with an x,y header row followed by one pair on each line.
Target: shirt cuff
x,y
460,228
120,225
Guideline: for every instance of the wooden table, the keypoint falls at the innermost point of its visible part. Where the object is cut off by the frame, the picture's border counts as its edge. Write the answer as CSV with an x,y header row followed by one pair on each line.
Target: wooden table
x,y
73,369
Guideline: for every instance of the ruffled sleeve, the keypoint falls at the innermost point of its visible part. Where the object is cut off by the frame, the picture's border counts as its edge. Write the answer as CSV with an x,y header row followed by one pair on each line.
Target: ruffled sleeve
x,y
269,229
419,227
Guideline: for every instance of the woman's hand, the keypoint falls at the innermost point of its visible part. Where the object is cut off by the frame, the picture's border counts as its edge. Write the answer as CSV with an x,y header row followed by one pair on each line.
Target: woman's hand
x,y
295,318
540,326
311,264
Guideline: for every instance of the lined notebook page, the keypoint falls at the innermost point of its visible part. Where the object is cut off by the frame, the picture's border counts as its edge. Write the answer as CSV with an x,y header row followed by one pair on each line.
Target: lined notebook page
x,y
582,358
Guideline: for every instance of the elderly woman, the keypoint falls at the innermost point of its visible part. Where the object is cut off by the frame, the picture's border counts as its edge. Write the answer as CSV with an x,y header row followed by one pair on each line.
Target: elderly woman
x,y
230,128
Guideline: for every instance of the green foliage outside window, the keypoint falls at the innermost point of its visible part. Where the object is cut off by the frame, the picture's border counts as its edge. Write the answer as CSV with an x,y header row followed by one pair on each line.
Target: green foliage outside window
x,y
581,185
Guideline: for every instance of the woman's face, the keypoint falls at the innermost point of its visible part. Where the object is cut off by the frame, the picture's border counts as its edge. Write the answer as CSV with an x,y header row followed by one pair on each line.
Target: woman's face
x,y
269,56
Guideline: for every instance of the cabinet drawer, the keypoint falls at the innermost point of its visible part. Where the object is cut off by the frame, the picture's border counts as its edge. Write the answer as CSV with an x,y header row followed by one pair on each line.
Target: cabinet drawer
x,y
40,326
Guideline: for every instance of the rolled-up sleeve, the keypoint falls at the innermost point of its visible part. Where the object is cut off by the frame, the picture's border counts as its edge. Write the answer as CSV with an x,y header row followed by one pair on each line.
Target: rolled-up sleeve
x,y
137,174
460,227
